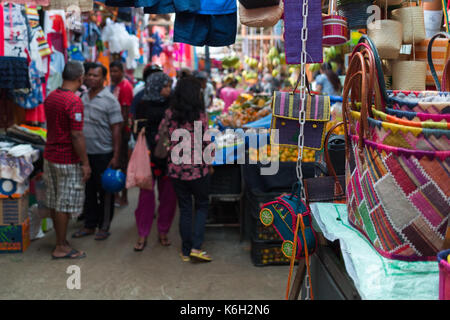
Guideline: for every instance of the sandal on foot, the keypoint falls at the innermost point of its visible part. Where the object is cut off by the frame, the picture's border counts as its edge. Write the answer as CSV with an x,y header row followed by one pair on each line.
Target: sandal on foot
x,y
201,256
73,254
81,233
164,241
141,245
102,235
185,258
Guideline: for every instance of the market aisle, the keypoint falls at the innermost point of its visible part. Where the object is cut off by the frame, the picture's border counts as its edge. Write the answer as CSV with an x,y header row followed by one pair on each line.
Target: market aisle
x,y
112,270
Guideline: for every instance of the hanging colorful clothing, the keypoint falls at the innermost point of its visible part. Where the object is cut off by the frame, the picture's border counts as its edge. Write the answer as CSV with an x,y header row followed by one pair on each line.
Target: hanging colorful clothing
x,y
14,47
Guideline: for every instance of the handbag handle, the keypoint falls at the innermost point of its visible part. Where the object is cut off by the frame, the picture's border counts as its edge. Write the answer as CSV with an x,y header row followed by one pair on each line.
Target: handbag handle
x,y
337,185
298,82
446,77
430,59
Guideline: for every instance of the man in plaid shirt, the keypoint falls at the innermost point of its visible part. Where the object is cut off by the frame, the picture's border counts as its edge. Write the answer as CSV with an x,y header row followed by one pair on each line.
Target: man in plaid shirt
x,y
66,165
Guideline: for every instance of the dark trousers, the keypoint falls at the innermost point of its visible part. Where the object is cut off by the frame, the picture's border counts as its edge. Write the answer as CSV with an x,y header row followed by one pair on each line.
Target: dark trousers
x,y
192,230
95,194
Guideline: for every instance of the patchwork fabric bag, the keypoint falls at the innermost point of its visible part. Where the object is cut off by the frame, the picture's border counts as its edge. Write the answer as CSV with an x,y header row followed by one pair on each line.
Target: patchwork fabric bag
x,y
285,118
283,214
397,197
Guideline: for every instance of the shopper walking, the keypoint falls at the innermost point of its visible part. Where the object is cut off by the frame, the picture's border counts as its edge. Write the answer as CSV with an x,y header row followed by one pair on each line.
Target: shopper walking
x,y
189,179
328,82
150,111
66,165
123,91
102,127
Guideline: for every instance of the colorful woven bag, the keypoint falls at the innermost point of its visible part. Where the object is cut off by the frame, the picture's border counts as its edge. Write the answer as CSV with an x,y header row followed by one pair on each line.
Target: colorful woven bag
x,y
444,275
398,198
335,27
285,118
283,215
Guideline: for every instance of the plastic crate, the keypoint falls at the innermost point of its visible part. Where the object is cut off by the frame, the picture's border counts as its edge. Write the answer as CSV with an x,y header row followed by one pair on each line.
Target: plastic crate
x,y
268,254
226,180
262,233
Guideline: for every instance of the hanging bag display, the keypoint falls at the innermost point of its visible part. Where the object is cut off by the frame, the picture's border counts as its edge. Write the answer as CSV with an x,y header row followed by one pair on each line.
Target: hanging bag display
x,y
282,215
397,197
285,117
335,27
261,17
330,188
412,20
387,35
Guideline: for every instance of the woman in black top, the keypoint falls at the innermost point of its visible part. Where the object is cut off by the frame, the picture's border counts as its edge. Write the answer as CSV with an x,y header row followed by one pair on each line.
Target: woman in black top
x,y
150,111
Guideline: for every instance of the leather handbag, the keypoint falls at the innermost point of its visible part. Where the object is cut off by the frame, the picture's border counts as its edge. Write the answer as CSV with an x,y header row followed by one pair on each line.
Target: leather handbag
x,y
330,188
285,118
261,17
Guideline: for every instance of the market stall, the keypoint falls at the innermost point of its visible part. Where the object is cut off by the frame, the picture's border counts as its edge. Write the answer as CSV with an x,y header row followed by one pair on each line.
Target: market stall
x,y
286,73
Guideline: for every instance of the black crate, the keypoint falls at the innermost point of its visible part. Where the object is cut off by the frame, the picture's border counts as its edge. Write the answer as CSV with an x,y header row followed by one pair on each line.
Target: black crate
x,y
226,180
253,4
282,181
260,232
268,254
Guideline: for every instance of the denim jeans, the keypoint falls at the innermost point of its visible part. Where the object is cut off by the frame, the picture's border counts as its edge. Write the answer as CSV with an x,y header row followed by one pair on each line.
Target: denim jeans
x,y
192,230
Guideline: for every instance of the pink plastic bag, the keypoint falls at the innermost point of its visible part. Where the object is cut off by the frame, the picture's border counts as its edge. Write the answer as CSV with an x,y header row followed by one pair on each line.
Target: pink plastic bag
x,y
139,172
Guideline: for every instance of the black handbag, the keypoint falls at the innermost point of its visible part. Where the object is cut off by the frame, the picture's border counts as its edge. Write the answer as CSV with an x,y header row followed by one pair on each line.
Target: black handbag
x,y
330,188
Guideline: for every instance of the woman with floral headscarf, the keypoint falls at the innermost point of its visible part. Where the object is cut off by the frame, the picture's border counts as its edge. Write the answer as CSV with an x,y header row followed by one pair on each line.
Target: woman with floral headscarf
x,y
150,111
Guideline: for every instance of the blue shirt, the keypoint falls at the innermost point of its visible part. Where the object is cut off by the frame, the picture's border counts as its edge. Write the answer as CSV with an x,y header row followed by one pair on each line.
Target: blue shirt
x,y
327,87
217,7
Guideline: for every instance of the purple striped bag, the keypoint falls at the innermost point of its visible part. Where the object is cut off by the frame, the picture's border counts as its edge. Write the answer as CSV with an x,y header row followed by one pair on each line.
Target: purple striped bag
x,y
285,118
293,24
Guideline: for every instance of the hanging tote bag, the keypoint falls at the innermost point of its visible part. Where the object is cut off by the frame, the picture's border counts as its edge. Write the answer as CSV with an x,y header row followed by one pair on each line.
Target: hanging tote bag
x,y
261,17
285,118
282,214
330,188
335,27
397,198
139,173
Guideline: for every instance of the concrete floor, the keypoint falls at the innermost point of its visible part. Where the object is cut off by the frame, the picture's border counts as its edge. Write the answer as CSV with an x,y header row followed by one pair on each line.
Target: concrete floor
x,y
112,270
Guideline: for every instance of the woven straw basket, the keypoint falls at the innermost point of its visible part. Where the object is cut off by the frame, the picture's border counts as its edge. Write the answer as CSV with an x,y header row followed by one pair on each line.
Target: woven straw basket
x,y
387,38
409,75
412,19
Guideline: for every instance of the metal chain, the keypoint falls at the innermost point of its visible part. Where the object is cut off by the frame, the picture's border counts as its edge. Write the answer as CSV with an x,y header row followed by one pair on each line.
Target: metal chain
x,y
302,113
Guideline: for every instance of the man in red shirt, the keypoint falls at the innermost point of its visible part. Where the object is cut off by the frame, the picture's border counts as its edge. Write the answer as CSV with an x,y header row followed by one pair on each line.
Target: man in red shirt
x,y
123,91
66,165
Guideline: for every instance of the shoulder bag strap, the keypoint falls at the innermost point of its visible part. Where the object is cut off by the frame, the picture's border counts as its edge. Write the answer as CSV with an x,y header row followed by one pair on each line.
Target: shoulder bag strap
x,y
430,59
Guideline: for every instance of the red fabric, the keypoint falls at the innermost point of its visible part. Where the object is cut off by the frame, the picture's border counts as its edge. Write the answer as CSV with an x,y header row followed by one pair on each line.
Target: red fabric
x,y
124,93
64,113
35,115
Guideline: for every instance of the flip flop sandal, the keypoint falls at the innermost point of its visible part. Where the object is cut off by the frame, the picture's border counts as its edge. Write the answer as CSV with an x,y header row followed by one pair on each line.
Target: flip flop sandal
x,y
143,244
185,258
81,234
201,256
164,241
71,255
102,235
